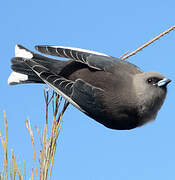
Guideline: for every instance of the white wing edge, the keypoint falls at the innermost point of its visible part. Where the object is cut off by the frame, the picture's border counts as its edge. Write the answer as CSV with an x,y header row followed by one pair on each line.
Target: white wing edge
x,y
80,50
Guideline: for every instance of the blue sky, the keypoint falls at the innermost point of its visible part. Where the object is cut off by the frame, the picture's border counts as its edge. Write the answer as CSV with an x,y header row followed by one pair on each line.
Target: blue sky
x,y
87,150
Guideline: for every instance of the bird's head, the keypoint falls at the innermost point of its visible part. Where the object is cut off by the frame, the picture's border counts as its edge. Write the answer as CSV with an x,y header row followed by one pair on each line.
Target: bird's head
x,y
151,89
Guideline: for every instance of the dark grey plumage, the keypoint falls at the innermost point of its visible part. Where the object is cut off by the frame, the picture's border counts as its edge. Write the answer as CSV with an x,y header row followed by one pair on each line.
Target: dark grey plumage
x,y
115,93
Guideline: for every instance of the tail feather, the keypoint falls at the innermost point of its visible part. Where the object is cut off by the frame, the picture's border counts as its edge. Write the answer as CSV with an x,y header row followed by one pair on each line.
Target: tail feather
x,y
19,78
22,73
18,65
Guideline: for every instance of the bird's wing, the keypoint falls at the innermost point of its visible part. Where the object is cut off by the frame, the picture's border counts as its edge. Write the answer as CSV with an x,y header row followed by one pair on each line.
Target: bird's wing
x,y
93,59
78,93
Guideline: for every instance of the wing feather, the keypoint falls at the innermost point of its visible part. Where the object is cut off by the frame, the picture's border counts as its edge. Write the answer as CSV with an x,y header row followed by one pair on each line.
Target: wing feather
x,y
77,54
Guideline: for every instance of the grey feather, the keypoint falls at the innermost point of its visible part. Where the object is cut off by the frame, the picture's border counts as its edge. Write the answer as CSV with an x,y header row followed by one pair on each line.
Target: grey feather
x,y
113,92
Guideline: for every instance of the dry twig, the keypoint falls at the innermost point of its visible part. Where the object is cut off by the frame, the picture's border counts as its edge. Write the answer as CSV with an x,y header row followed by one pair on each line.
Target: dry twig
x,y
32,139
148,43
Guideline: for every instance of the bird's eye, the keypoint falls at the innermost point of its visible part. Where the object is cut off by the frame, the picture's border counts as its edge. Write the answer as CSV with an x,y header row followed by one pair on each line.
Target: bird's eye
x,y
153,80
149,80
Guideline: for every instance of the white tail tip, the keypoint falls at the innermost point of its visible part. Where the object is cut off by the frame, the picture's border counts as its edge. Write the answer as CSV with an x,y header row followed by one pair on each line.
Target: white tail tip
x,y
23,53
16,78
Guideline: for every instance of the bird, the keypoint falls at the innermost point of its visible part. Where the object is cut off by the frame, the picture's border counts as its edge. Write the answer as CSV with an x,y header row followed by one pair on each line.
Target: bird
x,y
113,92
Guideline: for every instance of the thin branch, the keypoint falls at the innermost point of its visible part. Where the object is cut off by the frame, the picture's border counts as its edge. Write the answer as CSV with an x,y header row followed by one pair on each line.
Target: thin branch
x,y
66,104
124,54
32,139
148,43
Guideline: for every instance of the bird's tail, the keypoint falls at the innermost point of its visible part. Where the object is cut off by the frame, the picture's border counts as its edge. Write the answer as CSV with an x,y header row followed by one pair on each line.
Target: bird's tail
x,y
21,71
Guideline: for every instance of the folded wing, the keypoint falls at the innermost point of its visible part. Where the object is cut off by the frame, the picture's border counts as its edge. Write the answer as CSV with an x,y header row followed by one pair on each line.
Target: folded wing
x,y
78,93
93,59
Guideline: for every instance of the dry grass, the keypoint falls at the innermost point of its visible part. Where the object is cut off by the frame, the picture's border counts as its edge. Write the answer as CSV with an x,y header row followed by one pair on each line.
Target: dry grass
x,y
11,166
